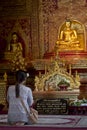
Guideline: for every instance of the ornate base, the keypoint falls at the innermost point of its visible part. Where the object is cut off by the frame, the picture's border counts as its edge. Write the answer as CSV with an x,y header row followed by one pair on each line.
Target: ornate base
x,y
71,95
67,55
75,55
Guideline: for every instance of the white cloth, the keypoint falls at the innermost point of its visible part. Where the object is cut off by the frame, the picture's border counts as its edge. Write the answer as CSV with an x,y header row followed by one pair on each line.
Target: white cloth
x,y
16,111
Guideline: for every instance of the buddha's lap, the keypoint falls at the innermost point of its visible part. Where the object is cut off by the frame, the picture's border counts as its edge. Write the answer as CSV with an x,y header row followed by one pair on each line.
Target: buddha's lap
x,y
68,42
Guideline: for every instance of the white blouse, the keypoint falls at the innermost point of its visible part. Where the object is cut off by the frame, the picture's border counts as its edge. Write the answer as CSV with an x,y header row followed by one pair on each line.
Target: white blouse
x,y
16,111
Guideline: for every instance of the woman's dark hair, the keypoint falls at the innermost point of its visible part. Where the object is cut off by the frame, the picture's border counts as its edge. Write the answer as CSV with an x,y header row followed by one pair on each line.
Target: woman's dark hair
x,y
20,77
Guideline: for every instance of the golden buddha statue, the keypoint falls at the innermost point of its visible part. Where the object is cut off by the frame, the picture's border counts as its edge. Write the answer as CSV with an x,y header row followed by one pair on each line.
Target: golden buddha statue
x,y
67,38
15,45
18,61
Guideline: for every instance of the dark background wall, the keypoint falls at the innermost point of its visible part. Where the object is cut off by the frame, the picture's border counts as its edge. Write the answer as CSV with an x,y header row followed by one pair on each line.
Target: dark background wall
x,y
37,22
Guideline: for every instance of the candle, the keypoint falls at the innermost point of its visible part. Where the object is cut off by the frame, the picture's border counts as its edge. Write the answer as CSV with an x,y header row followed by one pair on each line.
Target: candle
x,y
70,69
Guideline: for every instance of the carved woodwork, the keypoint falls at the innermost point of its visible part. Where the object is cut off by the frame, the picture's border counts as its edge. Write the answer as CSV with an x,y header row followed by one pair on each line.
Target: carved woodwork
x,y
54,74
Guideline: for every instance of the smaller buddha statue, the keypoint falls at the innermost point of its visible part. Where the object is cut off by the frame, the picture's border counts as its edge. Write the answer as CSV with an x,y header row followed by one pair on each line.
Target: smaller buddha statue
x,y
67,38
15,45
18,61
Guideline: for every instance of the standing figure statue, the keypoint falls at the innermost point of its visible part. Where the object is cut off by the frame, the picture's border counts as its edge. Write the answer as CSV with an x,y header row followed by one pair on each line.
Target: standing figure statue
x,y
15,45
18,61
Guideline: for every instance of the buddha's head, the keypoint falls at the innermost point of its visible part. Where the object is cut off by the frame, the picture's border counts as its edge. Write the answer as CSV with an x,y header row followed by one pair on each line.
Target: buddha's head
x,y
68,23
14,36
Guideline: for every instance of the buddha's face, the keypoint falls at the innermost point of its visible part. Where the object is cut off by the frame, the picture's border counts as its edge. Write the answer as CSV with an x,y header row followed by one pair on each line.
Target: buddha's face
x,y
14,37
68,24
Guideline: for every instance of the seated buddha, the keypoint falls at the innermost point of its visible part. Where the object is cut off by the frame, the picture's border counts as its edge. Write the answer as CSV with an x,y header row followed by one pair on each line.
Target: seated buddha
x,y
14,47
67,38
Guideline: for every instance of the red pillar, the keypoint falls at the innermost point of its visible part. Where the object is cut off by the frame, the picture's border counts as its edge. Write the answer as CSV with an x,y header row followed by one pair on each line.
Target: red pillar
x,y
85,2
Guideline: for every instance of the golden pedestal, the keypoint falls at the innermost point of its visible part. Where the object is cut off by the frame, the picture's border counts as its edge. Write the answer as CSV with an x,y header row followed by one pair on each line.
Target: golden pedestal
x,y
71,95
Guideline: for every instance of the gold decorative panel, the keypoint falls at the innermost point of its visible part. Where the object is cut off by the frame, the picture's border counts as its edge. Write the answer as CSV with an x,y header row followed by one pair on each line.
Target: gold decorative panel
x,y
3,92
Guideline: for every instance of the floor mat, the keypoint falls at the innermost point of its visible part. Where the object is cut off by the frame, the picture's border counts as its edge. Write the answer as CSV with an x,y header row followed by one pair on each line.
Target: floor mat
x,y
54,121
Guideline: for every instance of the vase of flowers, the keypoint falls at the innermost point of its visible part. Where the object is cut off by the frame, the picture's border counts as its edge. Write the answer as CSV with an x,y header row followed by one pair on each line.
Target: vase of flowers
x,y
63,85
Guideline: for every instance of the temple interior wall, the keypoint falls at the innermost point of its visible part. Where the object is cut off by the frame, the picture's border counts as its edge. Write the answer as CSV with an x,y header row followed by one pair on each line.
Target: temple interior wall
x,y
38,22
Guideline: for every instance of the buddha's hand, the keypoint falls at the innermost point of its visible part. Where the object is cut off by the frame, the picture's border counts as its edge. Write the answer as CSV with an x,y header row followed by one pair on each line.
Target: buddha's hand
x,y
57,42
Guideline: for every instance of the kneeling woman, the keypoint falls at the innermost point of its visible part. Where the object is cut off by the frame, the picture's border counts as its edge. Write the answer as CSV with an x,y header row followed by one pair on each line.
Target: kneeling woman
x,y
16,112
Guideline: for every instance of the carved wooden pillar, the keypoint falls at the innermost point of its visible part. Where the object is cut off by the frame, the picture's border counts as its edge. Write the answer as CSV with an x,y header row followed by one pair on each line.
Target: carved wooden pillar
x,y
34,29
